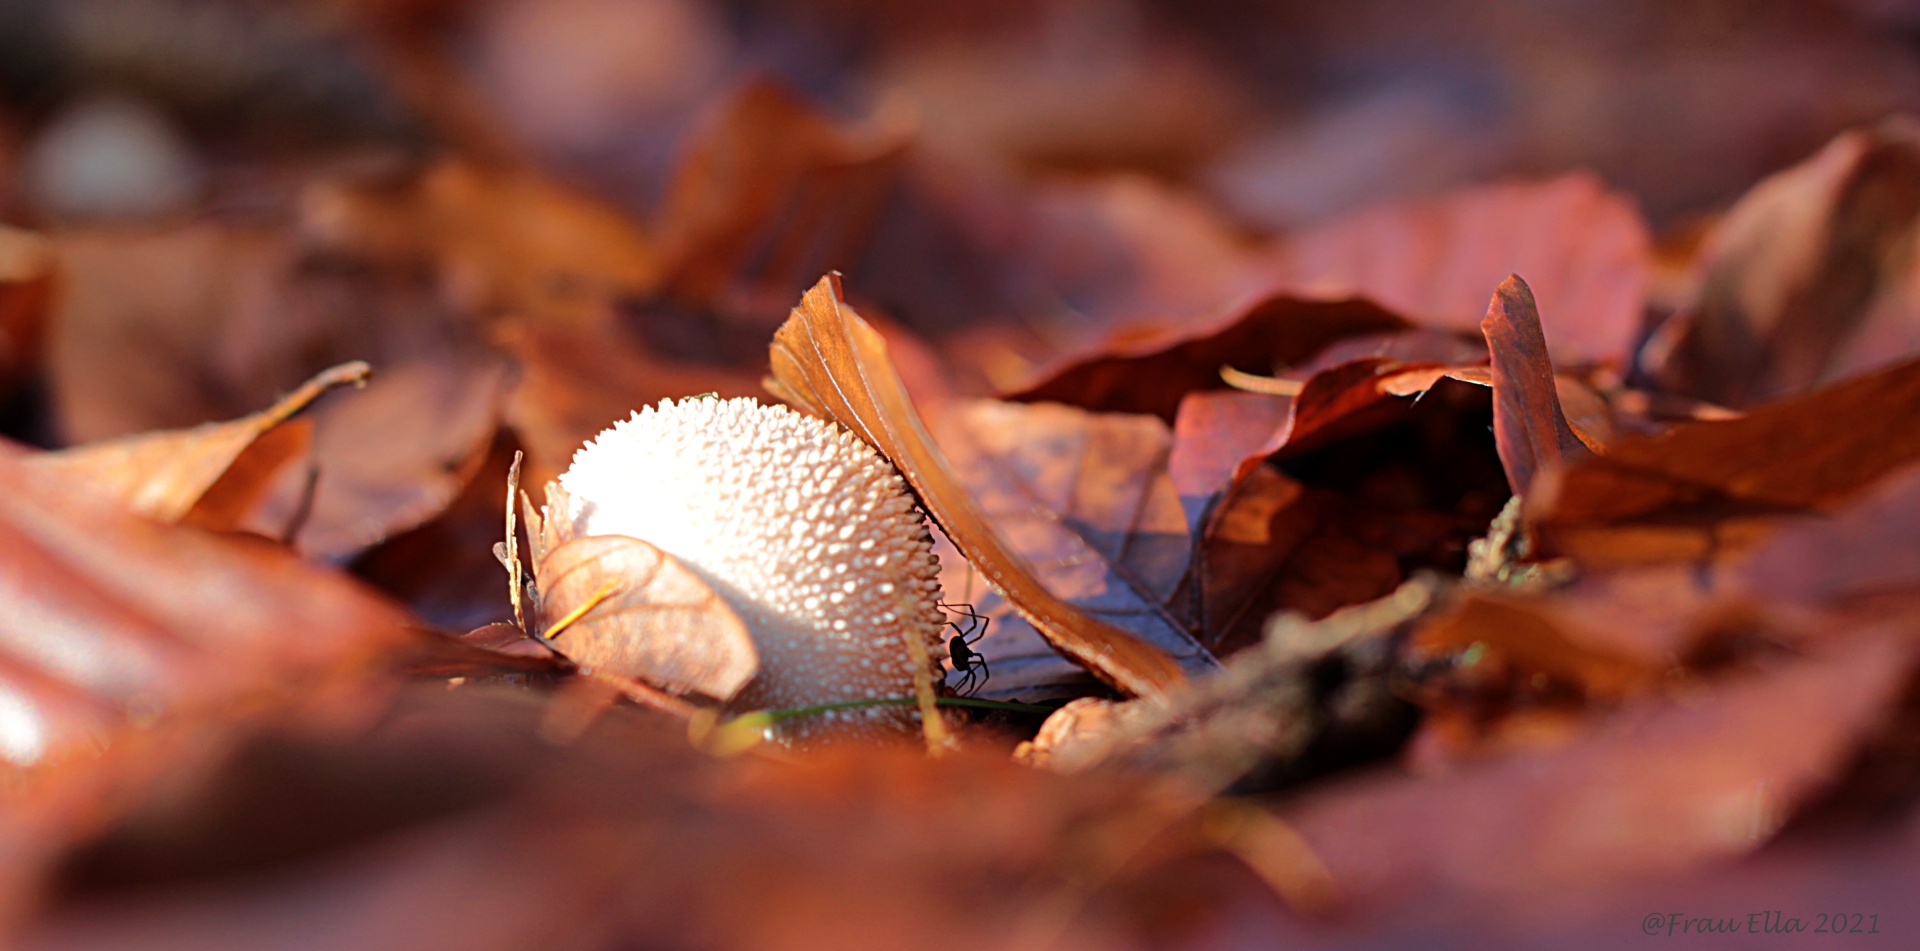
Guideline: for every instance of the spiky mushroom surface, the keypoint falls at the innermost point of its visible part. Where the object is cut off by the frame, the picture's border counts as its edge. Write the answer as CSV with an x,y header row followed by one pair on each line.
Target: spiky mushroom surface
x,y
808,534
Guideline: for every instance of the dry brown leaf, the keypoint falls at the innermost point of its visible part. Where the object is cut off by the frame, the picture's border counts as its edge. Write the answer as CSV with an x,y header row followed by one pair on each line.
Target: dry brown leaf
x,y
573,384
1861,553
27,282
457,806
444,570
1547,639
1217,438
1583,247
1275,545
1659,788
499,240
658,621
829,362
1808,279
390,456
1086,502
1711,487
167,475
1151,371
1528,427
1313,543
771,193
115,619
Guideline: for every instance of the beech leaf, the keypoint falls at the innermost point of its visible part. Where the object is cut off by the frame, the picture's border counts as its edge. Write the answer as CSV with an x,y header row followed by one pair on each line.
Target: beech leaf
x,y
113,617
1674,785
659,622
1086,501
1528,427
1809,278
1585,247
166,474
1151,372
829,362
1712,485
770,183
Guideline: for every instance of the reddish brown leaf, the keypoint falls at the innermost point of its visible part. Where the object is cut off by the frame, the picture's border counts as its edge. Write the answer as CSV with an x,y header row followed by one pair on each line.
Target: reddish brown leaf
x,y
1270,542
1130,97
829,362
26,296
658,622
1087,504
1544,639
1658,788
573,384
1216,438
1127,249
1708,487
445,570
390,456
250,479
1340,401
1810,278
1584,247
114,618
1864,551
146,320
498,241
1151,373
167,474
771,193
1528,426
449,818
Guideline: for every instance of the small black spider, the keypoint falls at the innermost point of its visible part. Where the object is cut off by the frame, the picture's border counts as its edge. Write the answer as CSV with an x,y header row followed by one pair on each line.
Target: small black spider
x,y
967,662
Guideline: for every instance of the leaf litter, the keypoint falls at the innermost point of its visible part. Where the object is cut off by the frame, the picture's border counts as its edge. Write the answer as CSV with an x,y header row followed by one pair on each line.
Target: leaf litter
x,y
1444,570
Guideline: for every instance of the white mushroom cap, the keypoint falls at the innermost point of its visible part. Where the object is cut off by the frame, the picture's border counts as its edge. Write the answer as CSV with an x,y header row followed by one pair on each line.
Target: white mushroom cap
x,y
809,535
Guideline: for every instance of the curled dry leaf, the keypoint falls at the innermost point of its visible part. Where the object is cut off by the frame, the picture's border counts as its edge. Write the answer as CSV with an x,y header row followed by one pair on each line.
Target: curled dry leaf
x,y
390,456
829,362
1086,502
1811,277
114,618
1860,553
1528,427
1657,788
26,295
170,475
1544,638
1585,248
1711,487
572,382
634,610
498,240
1309,540
1151,373
771,193
458,807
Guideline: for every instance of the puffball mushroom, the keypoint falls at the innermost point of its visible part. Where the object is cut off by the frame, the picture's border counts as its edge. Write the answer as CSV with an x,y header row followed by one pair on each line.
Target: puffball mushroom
x,y
808,534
